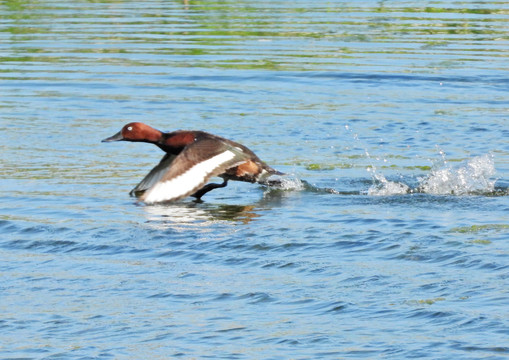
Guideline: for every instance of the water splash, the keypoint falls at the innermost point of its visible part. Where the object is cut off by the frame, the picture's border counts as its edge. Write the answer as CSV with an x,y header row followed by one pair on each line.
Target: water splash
x,y
384,187
291,184
381,186
285,183
471,177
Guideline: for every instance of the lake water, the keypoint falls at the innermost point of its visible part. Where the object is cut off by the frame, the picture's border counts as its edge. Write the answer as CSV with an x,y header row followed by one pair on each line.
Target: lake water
x,y
388,238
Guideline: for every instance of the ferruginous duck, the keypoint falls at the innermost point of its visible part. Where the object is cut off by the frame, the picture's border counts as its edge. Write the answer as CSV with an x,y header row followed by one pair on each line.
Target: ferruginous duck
x,y
192,158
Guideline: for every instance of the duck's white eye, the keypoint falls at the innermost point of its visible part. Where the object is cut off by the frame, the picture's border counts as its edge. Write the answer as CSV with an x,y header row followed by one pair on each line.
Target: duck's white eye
x,y
130,128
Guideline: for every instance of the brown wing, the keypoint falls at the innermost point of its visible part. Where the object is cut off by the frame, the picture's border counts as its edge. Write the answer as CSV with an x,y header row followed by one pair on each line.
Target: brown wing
x,y
192,168
154,175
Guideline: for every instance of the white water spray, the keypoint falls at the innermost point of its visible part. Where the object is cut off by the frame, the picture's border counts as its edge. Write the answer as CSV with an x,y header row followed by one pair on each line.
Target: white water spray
x,y
471,177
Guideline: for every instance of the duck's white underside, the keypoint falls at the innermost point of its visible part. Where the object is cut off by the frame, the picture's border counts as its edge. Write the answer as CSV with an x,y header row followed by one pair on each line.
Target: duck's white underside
x,y
187,182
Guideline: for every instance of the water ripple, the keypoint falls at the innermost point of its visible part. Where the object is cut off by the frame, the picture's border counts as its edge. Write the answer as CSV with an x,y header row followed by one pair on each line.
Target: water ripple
x,y
387,238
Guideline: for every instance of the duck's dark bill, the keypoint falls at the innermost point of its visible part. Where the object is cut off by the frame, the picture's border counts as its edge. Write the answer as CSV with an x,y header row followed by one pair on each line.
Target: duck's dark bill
x,y
117,137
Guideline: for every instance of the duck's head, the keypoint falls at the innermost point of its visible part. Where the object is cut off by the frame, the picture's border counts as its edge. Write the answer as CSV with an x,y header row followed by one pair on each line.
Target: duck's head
x,y
136,131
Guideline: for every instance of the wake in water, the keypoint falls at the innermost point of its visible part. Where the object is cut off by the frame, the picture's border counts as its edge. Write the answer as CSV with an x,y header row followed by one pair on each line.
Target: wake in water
x,y
471,177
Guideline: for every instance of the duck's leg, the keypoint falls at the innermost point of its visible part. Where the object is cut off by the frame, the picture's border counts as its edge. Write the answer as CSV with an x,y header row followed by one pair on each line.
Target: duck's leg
x,y
208,188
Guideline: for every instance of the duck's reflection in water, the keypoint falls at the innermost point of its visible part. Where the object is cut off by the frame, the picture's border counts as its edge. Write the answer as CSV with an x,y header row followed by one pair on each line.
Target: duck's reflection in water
x,y
199,216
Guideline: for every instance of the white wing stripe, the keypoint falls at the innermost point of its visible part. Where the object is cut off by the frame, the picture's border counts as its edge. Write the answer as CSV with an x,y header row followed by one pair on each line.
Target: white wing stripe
x,y
182,184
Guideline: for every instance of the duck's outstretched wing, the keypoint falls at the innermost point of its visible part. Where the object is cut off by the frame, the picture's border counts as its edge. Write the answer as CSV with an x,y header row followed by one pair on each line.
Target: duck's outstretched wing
x,y
192,168
154,175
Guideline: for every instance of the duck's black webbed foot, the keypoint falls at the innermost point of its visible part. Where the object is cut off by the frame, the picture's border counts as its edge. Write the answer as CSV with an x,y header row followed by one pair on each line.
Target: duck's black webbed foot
x,y
208,188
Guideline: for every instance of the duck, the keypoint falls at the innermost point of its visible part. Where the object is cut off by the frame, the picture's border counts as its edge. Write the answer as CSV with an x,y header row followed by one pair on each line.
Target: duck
x,y
192,158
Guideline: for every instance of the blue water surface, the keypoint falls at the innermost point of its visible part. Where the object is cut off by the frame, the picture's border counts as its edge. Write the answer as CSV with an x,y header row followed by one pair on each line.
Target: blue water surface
x,y
388,237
